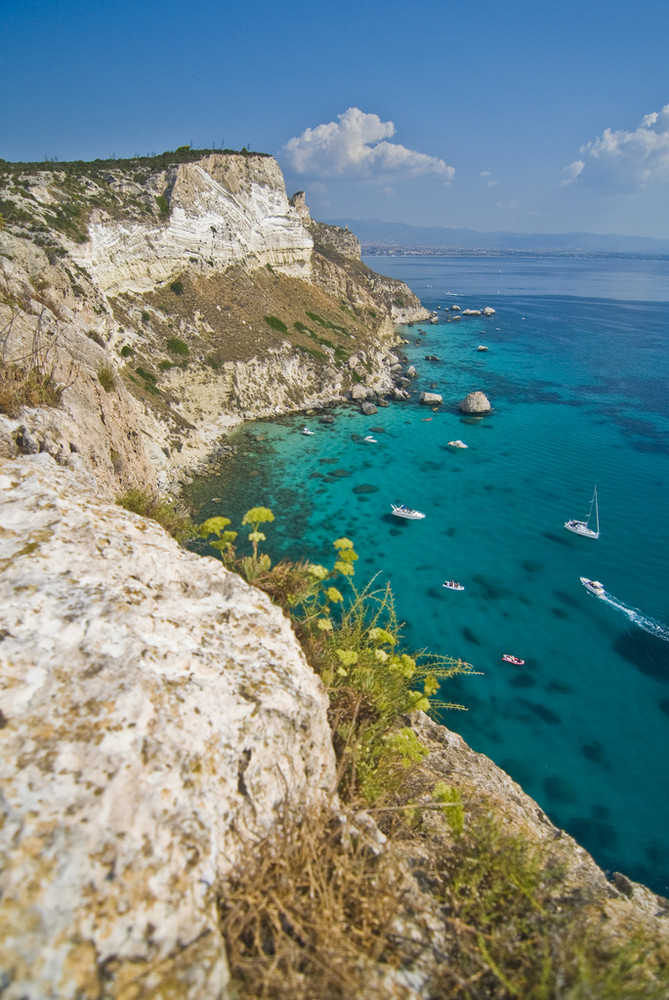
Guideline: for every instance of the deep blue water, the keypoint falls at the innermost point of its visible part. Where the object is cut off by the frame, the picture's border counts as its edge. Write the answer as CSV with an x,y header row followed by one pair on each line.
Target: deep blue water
x,y
576,372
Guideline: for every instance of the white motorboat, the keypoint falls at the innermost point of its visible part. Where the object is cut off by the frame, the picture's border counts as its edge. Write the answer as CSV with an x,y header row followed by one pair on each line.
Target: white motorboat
x,y
370,439
510,658
583,527
401,510
457,444
482,347
305,430
452,585
594,586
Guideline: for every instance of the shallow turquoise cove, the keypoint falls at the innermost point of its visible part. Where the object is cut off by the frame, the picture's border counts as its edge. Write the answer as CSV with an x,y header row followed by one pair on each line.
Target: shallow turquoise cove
x,y
576,371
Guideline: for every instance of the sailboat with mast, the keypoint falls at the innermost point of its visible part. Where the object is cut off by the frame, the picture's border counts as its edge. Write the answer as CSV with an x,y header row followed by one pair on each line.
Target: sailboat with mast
x,y
583,527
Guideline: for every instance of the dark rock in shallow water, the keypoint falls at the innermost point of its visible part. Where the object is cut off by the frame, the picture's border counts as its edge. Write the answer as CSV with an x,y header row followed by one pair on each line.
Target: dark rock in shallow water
x,y
594,752
522,681
365,488
327,418
557,789
368,409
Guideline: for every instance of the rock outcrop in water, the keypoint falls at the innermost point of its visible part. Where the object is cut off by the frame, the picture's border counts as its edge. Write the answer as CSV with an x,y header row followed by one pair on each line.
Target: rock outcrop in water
x,y
475,402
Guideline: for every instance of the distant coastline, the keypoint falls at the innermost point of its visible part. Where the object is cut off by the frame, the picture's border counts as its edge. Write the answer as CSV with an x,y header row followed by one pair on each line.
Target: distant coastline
x,y
374,251
384,238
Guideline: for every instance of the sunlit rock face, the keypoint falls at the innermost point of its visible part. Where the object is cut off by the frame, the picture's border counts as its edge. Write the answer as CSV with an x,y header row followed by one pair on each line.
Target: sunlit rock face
x,y
475,402
160,712
224,209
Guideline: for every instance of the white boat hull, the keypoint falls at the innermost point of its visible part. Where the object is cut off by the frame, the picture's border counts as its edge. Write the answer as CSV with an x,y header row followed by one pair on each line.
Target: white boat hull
x,y
594,586
581,528
407,512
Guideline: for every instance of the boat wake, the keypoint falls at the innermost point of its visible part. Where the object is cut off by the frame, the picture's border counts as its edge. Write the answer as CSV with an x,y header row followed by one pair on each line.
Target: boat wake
x,y
647,624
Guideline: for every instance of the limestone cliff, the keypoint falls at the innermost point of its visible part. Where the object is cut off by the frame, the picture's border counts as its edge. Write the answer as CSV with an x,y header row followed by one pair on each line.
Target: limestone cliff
x,y
156,713
173,296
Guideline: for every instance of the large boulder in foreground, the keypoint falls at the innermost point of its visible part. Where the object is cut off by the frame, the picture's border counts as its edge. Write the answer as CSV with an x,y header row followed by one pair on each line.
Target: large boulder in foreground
x,y
155,711
431,399
475,402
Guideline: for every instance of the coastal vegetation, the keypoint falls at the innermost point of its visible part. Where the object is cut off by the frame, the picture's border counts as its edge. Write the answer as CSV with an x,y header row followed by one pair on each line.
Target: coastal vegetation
x,y
318,907
171,516
33,376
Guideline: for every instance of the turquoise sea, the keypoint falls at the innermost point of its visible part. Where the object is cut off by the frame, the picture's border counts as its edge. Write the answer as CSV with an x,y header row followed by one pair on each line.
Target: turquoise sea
x,y
577,373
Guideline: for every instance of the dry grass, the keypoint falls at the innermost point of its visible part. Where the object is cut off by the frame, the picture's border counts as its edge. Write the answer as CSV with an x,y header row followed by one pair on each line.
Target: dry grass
x,y
312,912
35,376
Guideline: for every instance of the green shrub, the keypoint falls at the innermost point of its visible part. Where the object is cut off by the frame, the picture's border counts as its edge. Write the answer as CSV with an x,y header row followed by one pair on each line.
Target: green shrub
x,y
165,365
146,316
177,287
276,324
163,207
171,516
126,351
147,376
177,346
107,378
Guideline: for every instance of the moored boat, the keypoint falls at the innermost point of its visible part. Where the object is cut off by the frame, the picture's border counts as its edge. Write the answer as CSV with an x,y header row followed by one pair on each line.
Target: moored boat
x,y
509,658
305,430
401,510
452,585
583,527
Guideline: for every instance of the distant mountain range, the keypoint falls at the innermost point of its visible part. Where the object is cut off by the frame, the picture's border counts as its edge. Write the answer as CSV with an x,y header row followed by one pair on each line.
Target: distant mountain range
x,y
389,236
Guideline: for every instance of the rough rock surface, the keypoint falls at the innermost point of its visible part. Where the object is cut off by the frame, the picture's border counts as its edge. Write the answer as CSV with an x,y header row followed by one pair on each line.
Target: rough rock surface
x,y
431,399
224,209
475,402
159,710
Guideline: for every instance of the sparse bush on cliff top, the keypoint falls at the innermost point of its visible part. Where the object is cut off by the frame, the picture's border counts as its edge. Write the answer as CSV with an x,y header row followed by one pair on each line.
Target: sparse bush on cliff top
x,y
170,516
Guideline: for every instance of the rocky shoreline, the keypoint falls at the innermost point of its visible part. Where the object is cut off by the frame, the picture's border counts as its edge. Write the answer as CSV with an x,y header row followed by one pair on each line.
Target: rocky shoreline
x,y
157,713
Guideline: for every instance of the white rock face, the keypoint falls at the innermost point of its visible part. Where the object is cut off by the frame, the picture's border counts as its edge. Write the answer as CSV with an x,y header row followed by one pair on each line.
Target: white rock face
x,y
154,708
431,399
224,210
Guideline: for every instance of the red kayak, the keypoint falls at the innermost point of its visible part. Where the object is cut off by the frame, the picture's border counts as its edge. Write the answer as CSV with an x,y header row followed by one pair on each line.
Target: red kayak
x,y
512,659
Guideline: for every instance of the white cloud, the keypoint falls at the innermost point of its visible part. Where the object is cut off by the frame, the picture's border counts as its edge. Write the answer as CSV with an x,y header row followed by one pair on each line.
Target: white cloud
x,y
628,159
356,145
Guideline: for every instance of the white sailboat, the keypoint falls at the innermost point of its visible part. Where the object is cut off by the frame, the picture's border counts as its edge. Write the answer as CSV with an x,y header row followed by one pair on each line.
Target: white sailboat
x,y
583,527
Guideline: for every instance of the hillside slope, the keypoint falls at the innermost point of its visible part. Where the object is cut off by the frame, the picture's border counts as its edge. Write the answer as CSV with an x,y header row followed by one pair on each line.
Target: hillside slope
x,y
171,297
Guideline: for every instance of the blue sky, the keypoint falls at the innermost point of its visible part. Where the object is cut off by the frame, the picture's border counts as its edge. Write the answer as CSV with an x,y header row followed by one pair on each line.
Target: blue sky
x,y
526,116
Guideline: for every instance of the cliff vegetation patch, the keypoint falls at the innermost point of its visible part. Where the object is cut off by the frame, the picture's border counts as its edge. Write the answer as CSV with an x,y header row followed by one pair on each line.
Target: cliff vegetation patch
x,y
451,903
